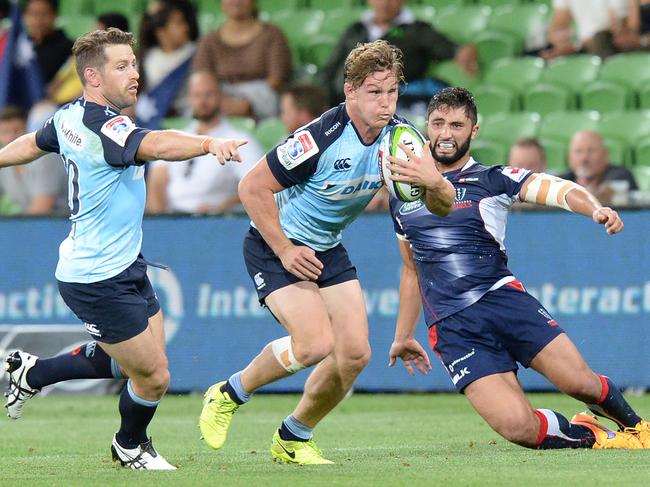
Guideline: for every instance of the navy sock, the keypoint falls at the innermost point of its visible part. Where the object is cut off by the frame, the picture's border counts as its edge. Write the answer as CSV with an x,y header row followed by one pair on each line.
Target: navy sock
x,y
136,415
227,387
294,430
613,405
88,361
555,431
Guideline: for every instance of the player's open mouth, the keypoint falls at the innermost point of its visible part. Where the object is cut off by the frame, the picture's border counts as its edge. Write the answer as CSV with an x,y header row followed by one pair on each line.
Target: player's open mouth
x,y
446,146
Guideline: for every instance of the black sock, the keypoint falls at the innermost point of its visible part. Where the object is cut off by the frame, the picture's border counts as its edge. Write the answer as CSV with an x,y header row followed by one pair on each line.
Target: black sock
x,y
231,392
136,415
613,405
556,432
287,435
88,361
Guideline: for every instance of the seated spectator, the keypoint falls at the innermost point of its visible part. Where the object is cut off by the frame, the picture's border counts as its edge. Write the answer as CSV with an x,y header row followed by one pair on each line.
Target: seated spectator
x,y
300,104
51,45
168,33
250,58
590,167
201,185
39,188
420,43
634,34
528,153
595,22
112,19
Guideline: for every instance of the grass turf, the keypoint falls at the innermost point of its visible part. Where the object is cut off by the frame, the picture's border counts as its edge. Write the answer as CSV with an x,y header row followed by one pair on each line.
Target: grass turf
x,y
375,440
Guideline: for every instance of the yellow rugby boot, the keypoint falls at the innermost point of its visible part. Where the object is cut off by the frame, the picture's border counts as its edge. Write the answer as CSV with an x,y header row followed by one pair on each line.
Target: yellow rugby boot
x,y
605,437
642,431
298,452
218,409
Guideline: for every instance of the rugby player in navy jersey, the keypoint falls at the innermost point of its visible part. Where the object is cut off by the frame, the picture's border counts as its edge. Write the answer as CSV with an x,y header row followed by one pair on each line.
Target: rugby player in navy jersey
x,y
481,320
101,273
323,175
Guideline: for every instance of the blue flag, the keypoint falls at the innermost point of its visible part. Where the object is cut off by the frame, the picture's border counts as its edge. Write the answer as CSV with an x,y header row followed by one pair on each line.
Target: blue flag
x,y
21,83
153,105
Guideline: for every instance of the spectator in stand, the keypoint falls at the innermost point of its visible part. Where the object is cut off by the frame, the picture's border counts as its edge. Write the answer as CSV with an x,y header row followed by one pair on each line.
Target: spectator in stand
x,y
112,19
250,58
51,45
421,44
590,167
300,104
634,34
528,153
38,188
595,23
200,185
168,35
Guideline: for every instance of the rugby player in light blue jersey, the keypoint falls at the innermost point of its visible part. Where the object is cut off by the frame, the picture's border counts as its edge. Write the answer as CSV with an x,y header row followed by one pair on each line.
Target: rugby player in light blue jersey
x,y
324,175
101,273
481,320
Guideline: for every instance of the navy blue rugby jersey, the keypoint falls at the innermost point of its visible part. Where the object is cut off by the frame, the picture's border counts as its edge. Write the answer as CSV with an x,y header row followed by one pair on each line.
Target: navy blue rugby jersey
x,y
462,256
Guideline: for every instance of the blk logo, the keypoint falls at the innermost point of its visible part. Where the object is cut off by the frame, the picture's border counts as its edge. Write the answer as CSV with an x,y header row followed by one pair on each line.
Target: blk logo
x,y
342,164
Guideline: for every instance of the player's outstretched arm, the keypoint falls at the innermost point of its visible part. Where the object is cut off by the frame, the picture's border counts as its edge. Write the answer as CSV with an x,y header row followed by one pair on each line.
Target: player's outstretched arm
x,y
547,190
256,190
20,151
174,145
422,171
405,346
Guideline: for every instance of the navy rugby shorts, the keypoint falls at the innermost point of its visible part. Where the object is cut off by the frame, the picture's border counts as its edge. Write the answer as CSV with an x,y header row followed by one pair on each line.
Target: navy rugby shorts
x,y
268,274
504,327
115,309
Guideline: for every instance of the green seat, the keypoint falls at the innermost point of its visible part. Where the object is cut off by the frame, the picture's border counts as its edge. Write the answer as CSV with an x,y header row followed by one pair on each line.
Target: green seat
x,y
526,22
562,125
462,23
493,99
209,21
125,7
642,152
277,5
76,25
628,126
245,124
632,69
178,123
298,25
208,6
76,7
270,132
452,74
425,13
489,152
493,45
618,150
642,176
516,73
327,5
545,98
317,50
605,96
644,97
500,3
337,21
555,151
572,71
438,4
508,127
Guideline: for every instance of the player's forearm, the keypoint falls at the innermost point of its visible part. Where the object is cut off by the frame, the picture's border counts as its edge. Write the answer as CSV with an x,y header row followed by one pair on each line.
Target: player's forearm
x,y
20,151
172,145
410,304
439,200
582,201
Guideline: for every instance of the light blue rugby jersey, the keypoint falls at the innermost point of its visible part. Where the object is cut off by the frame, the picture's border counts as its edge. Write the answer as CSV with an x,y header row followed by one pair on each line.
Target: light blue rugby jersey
x,y
330,176
106,189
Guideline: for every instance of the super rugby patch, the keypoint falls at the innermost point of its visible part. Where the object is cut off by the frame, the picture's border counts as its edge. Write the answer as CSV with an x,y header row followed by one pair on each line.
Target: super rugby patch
x,y
297,149
118,129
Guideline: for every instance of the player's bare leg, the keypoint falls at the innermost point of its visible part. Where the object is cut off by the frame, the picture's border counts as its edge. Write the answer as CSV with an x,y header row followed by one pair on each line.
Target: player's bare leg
x,y
562,364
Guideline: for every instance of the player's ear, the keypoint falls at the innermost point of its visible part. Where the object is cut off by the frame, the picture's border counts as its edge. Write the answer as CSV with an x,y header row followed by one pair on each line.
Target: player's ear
x,y
91,75
348,90
474,131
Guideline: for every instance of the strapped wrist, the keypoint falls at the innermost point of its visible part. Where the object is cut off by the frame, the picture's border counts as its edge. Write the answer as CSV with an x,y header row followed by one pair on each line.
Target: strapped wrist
x,y
205,145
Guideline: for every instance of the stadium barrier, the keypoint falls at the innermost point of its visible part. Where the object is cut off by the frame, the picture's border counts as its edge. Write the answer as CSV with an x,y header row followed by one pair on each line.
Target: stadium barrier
x,y
596,286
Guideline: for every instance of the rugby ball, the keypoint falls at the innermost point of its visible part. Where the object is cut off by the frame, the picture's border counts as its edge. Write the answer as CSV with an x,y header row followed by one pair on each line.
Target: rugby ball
x,y
389,145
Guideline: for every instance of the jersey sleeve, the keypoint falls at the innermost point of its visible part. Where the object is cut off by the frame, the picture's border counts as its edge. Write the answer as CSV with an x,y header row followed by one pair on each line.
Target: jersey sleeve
x,y
295,159
507,180
46,138
120,138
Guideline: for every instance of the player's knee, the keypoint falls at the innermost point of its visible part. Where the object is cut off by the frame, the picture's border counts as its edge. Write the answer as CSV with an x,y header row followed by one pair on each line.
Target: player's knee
x,y
310,352
355,358
159,381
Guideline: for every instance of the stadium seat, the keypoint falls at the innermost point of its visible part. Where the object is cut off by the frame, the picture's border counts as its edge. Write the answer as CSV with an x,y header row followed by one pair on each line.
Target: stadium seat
x,y
572,71
178,123
76,25
508,127
126,7
493,99
642,152
326,5
545,98
269,132
642,176
76,7
499,3
489,152
644,97
337,21
209,21
493,45
515,73
298,25
555,151
317,50
438,4
462,23
208,6
562,125
452,74
425,13
526,22
627,126
277,5
605,96
618,150
632,69
245,124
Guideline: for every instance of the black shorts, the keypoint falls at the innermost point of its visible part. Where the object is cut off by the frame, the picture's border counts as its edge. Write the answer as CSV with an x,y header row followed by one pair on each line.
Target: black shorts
x,y
268,274
115,309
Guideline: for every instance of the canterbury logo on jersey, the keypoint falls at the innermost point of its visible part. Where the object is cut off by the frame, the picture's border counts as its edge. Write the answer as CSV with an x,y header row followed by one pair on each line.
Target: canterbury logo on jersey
x,y
342,164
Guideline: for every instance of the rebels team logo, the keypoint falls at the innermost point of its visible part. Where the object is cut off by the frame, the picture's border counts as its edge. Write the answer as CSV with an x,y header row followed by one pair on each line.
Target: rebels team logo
x,y
460,194
460,201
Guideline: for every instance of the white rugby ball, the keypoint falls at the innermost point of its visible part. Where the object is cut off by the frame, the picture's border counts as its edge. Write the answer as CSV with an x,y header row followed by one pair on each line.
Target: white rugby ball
x,y
389,145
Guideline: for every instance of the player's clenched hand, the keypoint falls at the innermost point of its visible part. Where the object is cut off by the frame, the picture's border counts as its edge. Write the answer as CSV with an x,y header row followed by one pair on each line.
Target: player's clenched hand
x,y
301,261
226,149
411,353
610,218
418,170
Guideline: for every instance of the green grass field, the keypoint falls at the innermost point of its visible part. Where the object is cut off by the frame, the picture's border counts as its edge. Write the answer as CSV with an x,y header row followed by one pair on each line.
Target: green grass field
x,y
375,440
